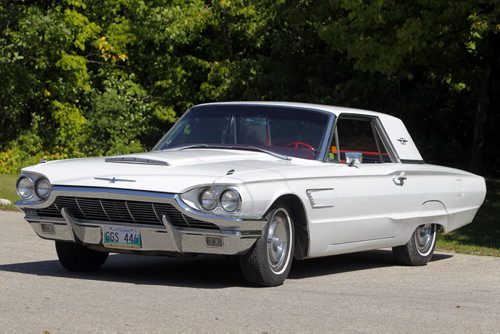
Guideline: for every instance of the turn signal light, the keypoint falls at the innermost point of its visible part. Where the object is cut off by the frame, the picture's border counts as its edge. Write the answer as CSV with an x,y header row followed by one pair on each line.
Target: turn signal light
x,y
214,242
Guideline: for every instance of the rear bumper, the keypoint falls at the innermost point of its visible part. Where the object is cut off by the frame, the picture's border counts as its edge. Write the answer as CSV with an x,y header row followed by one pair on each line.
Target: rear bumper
x,y
233,236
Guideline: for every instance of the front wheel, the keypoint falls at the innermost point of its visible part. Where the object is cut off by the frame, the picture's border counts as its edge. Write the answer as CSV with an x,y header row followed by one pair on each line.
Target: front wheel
x,y
75,257
269,260
419,250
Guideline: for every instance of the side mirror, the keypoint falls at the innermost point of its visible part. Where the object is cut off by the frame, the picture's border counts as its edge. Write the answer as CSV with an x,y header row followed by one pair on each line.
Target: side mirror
x,y
353,158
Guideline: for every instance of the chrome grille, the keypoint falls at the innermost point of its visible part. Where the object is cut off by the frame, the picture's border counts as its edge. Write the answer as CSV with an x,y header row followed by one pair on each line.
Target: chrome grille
x,y
120,211
88,208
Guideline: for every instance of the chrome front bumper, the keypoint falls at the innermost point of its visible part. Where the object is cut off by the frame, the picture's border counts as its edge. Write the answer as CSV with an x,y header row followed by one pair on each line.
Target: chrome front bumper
x,y
235,235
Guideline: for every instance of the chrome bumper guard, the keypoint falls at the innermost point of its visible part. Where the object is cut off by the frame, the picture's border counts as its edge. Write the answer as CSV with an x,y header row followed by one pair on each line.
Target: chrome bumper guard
x,y
236,235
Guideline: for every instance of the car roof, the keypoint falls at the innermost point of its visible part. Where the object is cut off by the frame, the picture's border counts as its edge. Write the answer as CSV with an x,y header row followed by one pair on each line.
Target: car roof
x,y
332,109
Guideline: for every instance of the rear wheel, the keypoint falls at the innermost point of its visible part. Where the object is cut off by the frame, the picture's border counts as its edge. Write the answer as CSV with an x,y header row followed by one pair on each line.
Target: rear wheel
x,y
75,257
419,250
269,260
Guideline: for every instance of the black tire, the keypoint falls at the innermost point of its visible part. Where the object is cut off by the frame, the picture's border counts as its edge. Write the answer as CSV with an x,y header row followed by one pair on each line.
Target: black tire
x,y
419,250
75,257
269,260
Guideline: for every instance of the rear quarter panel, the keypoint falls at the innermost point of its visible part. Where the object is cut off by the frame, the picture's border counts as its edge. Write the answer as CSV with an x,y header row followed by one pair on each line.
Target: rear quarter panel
x,y
460,194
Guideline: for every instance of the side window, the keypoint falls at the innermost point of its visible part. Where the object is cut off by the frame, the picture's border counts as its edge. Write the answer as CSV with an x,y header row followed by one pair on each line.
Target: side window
x,y
360,135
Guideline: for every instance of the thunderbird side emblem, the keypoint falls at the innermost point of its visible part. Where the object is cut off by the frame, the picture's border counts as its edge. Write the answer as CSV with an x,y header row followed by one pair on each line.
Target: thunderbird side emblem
x,y
402,141
113,179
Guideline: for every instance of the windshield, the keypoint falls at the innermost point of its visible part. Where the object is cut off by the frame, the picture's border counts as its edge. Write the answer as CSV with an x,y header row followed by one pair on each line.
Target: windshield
x,y
285,131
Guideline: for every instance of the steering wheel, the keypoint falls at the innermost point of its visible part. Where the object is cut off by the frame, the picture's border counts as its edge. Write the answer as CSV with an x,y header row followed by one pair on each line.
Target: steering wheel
x,y
299,144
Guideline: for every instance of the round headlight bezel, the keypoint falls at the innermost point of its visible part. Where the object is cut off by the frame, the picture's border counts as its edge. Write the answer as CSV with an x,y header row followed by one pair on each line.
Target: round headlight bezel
x,y
31,182
211,192
36,187
236,200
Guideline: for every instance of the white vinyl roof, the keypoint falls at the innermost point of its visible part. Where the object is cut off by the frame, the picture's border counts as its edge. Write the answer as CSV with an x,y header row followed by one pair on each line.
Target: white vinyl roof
x,y
333,109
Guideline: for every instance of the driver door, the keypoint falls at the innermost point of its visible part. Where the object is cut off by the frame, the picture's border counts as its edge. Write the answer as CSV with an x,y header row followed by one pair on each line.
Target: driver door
x,y
363,174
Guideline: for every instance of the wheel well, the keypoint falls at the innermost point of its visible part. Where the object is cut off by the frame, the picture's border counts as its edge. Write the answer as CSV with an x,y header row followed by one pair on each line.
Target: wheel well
x,y
435,213
298,213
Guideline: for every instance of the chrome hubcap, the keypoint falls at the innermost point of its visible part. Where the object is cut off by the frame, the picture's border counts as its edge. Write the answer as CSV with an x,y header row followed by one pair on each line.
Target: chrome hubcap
x,y
424,238
278,241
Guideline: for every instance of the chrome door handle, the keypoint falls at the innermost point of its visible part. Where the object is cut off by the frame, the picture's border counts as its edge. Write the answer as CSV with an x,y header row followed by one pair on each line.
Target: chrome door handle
x,y
400,180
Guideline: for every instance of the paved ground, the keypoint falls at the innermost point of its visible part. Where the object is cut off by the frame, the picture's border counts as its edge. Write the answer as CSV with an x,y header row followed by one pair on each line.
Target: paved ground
x,y
354,293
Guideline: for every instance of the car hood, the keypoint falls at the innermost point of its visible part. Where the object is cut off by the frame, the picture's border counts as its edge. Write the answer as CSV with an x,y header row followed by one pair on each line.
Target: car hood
x,y
164,171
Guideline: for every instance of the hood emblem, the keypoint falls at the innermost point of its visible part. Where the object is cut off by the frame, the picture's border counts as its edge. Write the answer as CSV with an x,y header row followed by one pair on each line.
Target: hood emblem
x,y
113,179
403,141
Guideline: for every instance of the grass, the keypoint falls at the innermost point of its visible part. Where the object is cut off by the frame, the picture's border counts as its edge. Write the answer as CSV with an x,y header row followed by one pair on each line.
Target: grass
x,y
482,237
8,190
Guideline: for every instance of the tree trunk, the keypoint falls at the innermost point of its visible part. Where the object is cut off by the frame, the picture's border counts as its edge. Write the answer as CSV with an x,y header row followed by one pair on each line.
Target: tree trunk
x,y
481,117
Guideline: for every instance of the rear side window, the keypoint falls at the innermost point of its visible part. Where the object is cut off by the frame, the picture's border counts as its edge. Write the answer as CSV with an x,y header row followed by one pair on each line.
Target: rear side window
x,y
360,135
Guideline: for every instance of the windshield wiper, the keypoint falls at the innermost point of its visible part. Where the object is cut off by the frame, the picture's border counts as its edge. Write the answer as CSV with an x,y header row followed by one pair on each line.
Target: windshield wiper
x,y
255,148
233,147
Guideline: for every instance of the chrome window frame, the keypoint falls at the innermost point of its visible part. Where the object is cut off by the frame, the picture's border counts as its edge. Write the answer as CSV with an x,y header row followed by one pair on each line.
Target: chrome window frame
x,y
376,125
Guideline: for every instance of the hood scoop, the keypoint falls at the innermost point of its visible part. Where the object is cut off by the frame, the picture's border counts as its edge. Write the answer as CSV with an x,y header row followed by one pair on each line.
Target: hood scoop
x,y
136,161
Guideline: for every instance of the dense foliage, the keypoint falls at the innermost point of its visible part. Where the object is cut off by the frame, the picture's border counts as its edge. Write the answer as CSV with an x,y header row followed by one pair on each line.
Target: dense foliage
x,y
81,77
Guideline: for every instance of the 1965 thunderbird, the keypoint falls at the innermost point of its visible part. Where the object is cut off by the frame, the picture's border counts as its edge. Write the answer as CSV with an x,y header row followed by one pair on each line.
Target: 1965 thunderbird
x,y
265,181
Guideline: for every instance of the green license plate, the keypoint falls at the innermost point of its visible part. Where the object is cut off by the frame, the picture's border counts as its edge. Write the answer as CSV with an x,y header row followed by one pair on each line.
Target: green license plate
x,y
121,237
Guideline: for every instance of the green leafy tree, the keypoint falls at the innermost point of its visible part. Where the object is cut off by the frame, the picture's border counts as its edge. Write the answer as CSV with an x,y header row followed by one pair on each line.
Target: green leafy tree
x,y
118,118
81,77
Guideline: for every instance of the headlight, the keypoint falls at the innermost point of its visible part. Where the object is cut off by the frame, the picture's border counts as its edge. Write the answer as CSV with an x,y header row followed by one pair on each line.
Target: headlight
x,y
208,199
222,200
42,188
25,187
230,200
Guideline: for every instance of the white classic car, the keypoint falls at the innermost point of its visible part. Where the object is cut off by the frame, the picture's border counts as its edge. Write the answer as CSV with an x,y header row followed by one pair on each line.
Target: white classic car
x,y
264,181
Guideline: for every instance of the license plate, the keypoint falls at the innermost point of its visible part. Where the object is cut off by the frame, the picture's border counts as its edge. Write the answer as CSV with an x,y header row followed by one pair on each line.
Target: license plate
x,y
121,237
